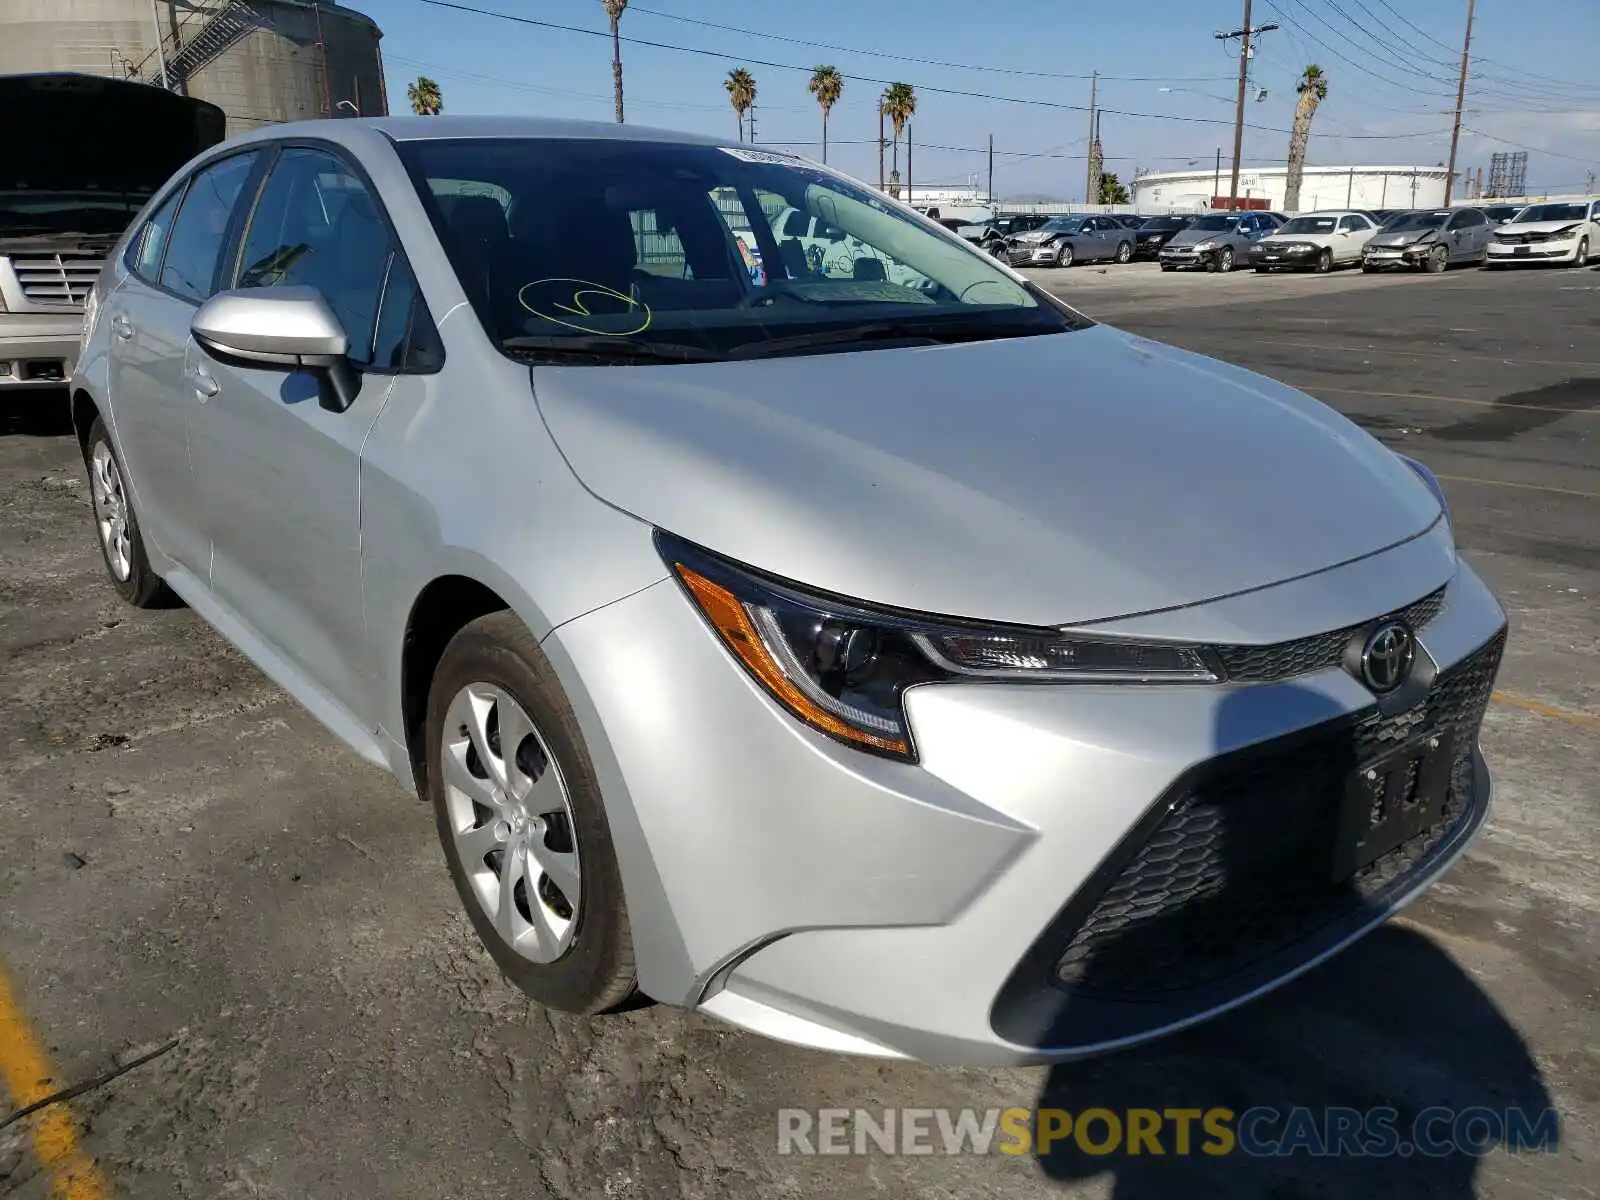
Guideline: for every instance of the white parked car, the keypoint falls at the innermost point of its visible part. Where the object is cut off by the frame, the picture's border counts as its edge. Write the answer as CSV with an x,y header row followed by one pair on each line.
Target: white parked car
x,y
1314,242
1563,232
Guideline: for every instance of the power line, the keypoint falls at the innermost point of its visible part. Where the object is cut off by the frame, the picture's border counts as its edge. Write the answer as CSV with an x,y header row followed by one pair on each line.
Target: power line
x,y
724,56
927,62
1328,25
1532,149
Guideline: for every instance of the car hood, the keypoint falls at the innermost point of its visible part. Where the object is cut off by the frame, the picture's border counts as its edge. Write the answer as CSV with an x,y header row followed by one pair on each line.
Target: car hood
x,y
1042,480
1193,237
1285,239
1540,226
1400,237
1037,235
108,135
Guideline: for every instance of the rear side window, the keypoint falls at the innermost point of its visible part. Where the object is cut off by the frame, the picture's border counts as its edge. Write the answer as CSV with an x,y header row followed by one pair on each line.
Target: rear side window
x,y
190,266
151,243
317,225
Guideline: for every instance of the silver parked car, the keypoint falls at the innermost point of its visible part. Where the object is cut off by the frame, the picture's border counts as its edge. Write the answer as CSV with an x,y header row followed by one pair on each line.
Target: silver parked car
x,y
861,655
1062,241
1429,239
1217,241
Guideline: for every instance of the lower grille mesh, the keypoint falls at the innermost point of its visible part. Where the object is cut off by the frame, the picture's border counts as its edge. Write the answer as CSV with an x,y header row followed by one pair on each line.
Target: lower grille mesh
x,y
1239,868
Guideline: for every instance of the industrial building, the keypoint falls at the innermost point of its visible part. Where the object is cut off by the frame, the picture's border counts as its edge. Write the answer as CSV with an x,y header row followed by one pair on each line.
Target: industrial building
x,y
1320,188
260,61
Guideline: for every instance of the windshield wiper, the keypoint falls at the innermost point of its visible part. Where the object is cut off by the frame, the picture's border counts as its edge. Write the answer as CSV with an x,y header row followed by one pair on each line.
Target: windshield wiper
x,y
609,349
926,332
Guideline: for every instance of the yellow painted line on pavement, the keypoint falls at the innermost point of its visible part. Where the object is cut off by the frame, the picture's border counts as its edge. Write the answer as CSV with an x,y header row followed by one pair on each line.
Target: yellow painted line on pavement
x,y
1530,487
29,1078
1343,391
1554,711
1508,360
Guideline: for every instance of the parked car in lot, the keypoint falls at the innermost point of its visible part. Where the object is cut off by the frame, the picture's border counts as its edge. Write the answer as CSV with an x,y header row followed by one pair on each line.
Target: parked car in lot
x,y
1314,242
851,661
1428,240
71,180
1156,232
1217,241
1564,232
1499,214
1062,241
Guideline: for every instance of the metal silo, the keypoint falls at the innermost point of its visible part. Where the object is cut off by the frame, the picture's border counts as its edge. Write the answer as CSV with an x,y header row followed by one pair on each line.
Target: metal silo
x,y
261,61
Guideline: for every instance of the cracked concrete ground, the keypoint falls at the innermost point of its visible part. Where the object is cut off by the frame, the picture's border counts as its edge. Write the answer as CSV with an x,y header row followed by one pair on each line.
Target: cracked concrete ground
x,y
184,854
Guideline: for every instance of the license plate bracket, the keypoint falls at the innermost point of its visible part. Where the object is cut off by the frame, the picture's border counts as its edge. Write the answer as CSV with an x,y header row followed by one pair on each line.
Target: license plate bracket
x,y
1392,799
1523,250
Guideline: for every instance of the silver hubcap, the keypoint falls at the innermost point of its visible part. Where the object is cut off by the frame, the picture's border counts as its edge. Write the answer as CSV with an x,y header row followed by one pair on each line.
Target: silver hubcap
x,y
511,818
111,511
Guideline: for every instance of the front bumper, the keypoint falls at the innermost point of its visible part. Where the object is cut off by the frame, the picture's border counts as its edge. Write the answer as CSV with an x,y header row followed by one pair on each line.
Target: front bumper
x,y
1281,260
1052,880
38,350
1035,256
1390,257
1184,256
1565,250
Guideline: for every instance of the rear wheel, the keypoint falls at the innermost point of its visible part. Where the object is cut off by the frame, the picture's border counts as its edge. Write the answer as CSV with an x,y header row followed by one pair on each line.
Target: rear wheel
x,y
520,817
121,543
1124,252
1324,262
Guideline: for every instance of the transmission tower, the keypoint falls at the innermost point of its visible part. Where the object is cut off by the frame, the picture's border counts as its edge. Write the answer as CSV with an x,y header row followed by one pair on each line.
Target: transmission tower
x,y
1508,173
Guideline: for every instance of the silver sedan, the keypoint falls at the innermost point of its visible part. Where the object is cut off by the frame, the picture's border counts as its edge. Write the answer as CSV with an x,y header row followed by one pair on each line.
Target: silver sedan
x,y
859,647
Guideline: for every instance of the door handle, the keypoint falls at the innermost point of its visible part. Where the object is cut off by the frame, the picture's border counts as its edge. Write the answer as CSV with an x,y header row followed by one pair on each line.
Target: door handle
x,y
202,382
121,326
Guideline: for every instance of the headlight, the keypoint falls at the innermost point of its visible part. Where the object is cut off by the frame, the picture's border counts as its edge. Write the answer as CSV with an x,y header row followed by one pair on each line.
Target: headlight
x,y
1569,231
1200,247
1432,481
842,667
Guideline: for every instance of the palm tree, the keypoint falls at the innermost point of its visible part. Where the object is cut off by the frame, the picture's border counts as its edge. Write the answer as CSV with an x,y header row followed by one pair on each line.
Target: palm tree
x,y
741,87
426,98
827,85
899,105
614,10
1313,89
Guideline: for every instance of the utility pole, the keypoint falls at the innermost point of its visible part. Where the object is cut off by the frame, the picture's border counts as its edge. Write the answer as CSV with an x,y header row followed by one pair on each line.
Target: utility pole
x,y
1094,101
880,145
1216,179
1097,162
1244,33
991,171
1461,95
752,120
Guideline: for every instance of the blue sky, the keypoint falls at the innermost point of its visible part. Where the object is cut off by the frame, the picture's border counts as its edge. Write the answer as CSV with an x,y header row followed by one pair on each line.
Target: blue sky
x,y
1390,86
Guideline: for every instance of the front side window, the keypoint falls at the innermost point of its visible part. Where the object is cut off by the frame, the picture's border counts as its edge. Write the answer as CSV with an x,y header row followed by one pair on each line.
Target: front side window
x,y
195,245
316,225
620,249
151,244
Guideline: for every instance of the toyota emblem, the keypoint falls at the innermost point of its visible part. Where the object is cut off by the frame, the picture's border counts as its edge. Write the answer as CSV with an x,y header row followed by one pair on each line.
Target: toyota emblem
x,y
1387,658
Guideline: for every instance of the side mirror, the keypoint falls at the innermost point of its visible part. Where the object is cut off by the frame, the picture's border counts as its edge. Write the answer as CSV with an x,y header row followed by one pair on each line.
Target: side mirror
x,y
291,328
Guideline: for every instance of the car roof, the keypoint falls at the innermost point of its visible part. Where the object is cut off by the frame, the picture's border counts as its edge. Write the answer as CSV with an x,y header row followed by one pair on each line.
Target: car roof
x,y
417,129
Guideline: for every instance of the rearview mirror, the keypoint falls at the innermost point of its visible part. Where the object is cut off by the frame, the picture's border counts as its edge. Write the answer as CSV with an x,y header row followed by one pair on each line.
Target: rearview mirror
x,y
291,328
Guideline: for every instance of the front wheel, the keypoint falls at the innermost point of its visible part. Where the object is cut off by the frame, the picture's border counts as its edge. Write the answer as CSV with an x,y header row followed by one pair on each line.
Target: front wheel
x,y
1324,262
1124,252
121,543
1581,257
1065,260
524,830
1437,261
1225,259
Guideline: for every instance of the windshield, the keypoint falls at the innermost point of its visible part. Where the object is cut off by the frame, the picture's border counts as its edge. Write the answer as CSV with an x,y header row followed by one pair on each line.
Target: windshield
x,y
1162,223
1552,212
1309,225
1501,212
1062,225
103,213
1216,222
1417,220
612,248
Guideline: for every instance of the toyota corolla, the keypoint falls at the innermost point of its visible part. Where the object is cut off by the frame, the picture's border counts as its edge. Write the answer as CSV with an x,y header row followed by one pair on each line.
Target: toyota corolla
x,y
867,649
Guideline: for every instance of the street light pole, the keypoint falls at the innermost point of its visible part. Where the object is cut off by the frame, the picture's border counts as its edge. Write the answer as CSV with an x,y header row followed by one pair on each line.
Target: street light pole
x,y
1238,112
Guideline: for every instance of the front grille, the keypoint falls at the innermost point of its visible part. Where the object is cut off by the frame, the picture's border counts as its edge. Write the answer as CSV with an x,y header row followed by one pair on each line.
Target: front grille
x,y
1523,239
54,280
1239,866
1319,651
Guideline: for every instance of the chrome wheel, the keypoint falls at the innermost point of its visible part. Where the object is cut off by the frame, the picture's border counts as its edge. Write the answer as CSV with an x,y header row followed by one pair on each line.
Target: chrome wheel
x,y
510,815
1124,252
111,511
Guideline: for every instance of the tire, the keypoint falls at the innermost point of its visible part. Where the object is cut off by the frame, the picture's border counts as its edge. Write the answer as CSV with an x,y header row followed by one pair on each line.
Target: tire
x,y
582,963
1489,264
1225,259
1437,262
1168,267
1324,262
1124,253
1581,258
1066,256
1261,270
117,527
1366,270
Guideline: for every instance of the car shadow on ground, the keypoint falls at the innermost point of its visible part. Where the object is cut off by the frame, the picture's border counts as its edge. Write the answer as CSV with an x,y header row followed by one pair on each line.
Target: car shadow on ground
x,y
35,414
1390,1023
